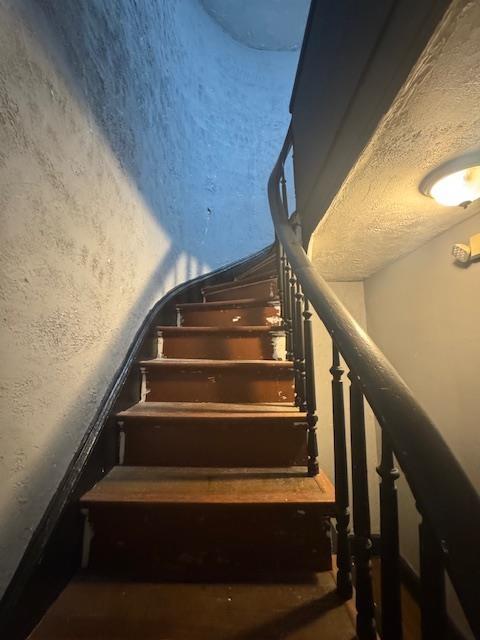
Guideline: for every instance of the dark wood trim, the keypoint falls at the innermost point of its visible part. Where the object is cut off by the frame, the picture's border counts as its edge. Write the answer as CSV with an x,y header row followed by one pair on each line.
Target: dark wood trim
x,y
355,58
53,553
301,58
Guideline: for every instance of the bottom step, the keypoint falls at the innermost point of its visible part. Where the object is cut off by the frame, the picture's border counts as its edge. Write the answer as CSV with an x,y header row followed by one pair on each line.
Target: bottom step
x,y
190,523
292,609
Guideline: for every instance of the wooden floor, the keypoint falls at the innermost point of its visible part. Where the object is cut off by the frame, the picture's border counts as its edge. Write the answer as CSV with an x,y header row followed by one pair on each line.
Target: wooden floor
x,y
303,609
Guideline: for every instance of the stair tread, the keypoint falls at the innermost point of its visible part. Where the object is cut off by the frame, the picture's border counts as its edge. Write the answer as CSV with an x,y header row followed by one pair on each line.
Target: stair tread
x,y
197,485
220,330
196,363
294,607
221,304
212,410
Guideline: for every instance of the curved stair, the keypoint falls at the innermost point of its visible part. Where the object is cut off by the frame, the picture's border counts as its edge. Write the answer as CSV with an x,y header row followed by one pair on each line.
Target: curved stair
x,y
210,502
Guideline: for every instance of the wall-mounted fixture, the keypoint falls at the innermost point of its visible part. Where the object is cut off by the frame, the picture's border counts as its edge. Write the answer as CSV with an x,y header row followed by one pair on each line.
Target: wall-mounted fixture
x,y
467,252
455,183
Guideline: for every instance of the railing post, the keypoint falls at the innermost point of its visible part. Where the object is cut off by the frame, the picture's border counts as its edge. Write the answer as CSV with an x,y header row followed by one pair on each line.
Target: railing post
x,y
390,566
279,259
362,544
432,586
288,312
294,332
300,349
342,503
310,395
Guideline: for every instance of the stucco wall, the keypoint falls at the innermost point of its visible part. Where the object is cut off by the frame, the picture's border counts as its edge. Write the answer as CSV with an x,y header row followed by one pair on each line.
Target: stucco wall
x,y
351,294
423,311
135,144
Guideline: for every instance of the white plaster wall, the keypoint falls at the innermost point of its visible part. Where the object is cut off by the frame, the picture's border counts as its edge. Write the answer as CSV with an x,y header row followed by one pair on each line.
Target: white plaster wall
x,y
135,144
262,24
423,312
351,294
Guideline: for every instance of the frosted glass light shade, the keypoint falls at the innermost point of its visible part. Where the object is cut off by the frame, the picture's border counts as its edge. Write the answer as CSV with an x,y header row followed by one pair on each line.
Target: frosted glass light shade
x,y
456,183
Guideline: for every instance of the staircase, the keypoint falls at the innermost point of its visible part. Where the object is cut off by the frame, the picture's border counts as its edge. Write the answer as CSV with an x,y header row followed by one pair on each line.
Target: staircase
x,y
209,526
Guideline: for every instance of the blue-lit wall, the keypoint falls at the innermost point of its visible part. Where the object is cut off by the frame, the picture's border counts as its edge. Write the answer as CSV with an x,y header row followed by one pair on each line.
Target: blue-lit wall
x,y
196,117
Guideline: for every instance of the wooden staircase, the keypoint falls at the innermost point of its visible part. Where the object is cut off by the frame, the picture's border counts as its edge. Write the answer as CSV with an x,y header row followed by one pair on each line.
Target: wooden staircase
x,y
209,523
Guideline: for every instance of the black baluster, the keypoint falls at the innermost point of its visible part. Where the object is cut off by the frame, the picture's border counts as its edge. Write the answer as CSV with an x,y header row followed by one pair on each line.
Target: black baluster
x,y
279,258
288,312
432,586
342,502
283,261
362,544
300,349
294,332
310,395
390,565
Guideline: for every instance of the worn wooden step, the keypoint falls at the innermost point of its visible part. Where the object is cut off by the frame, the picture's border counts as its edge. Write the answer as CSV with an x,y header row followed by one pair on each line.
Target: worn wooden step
x,y
229,343
262,289
227,313
194,522
295,607
197,380
212,435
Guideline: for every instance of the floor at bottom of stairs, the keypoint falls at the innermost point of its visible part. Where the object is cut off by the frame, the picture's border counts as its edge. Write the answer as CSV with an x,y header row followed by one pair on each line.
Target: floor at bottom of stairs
x,y
306,608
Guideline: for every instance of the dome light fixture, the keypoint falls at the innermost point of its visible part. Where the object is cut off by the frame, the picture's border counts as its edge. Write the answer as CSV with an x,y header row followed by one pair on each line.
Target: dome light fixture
x,y
455,183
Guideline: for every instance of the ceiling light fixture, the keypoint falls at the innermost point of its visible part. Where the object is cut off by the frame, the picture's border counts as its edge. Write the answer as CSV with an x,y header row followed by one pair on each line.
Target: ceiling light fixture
x,y
455,183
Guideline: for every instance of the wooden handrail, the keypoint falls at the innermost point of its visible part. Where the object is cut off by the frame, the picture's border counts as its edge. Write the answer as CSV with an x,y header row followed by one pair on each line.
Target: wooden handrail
x,y
444,495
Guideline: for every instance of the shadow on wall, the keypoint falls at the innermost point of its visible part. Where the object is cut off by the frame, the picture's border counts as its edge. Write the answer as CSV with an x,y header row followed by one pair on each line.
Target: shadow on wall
x,y
194,117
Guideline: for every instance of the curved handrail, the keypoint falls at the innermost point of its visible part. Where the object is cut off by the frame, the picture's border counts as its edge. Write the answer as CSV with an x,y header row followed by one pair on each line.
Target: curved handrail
x,y
444,494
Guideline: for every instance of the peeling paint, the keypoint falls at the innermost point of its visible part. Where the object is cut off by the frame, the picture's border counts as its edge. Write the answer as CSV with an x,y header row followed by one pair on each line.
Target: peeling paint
x,y
279,346
159,344
143,388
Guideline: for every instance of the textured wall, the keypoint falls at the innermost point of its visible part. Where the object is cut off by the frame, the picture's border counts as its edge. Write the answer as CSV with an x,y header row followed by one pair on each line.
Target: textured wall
x,y
263,24
426,302
135,143
379,213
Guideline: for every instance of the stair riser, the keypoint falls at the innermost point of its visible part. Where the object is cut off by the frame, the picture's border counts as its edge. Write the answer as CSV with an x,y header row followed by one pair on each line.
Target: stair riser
x,y
222,347
195,541
249,316
262,290
215,443
218,385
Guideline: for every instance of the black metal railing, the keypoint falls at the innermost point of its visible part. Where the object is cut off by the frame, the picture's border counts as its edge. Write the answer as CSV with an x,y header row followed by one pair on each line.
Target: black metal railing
x,y
447,502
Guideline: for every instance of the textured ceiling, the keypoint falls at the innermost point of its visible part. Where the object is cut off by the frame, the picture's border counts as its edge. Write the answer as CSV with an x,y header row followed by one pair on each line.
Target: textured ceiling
x,y
379,215
277,25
